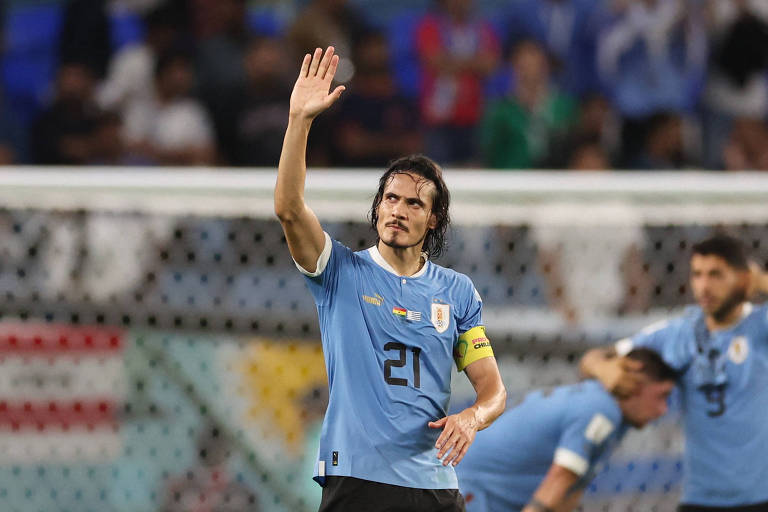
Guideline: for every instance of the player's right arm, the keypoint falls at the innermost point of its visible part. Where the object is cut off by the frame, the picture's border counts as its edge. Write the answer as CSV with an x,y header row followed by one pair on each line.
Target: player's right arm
x,y
558,492
309,98
619,375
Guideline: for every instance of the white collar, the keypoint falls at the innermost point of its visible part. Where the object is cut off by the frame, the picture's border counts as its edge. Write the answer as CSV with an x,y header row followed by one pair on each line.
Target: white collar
x,y
746,309
380,261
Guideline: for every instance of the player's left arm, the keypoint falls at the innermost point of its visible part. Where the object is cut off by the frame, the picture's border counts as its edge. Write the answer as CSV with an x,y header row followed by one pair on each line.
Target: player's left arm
x,y
558,492
459,429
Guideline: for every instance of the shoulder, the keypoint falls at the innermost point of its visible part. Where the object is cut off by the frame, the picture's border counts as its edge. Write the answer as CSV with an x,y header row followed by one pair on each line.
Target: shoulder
x,y
453,278
594,399
670,325
758,311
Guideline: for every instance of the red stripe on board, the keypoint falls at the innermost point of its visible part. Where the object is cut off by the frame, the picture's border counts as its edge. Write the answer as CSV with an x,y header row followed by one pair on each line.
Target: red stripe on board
x,y
32,338
19,416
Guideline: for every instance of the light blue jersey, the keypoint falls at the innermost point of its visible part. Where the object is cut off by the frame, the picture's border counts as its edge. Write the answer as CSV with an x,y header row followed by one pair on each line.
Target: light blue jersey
x,y
389,344
575,427
724,388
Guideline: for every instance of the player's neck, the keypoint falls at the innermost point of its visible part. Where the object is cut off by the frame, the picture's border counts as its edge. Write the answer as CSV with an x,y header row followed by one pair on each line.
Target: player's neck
x,y
732,318
405,261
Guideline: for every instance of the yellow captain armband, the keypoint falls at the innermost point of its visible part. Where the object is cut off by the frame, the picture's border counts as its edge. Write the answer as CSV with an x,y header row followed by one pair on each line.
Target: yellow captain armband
x,y
471,346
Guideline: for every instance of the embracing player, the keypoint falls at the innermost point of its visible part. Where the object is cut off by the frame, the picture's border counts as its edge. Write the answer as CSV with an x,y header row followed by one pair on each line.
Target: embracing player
x,y
392,323
540,455
720,350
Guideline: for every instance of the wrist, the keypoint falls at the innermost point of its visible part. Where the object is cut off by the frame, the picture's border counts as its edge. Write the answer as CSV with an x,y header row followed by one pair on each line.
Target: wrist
x,y
476,420
299,119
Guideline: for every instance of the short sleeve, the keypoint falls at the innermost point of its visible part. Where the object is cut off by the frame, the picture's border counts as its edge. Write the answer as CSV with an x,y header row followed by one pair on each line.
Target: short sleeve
x,y
665,337
472,343
472,312
586,438
323,281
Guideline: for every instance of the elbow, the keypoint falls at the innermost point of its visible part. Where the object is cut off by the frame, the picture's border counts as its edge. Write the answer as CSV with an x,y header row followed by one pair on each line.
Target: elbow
x,y
285,211
502,401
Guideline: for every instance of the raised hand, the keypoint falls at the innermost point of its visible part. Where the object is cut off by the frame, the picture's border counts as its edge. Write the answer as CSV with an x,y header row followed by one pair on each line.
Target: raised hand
x,y
310,94
621,376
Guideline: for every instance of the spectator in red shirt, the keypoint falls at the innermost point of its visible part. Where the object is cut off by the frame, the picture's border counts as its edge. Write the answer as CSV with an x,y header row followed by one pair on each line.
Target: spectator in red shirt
x,y
457,52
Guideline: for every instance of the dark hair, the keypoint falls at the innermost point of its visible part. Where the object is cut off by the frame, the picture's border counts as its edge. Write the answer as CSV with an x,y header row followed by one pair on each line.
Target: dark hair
x,y
162,16
420,165
653,365
727,247
170,58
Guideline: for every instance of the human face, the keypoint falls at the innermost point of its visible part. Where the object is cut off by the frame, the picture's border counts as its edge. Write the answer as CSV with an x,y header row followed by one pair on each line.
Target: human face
x,y
648,403
717,287
405,211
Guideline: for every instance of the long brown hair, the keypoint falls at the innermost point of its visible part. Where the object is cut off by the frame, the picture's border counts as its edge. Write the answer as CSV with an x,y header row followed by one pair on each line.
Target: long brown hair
x,y
420,165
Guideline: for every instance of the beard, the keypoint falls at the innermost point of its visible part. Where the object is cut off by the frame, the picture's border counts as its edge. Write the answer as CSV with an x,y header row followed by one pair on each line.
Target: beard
x,y
730,303
394,245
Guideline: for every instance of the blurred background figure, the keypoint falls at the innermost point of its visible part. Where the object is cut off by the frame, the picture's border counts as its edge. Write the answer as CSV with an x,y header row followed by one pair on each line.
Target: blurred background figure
x,y
664,145
130,76
251,122
651,58
567,29
747,146
328,22
588,154
63,132
737,82
457,50
11,134
221,54
518,130
374,123
595,128
85,35
172,128
108,144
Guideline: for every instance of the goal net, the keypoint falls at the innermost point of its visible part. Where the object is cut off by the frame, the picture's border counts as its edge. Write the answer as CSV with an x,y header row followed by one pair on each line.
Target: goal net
x,y
159,349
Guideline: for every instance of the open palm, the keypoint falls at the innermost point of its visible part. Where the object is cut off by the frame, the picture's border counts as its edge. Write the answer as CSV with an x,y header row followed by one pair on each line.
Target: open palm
x,y
310,94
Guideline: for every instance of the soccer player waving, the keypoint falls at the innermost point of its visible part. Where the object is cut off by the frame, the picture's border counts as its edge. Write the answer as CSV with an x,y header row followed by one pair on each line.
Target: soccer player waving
x,y
392,325
720,350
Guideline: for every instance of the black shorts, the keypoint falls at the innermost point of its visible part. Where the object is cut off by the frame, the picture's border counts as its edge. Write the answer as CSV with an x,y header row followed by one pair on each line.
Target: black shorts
x,y
757,507
349,494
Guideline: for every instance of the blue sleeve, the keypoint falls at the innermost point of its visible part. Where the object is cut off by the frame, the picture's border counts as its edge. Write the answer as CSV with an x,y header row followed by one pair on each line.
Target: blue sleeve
x,y
665,337
592,426
472,314
323,284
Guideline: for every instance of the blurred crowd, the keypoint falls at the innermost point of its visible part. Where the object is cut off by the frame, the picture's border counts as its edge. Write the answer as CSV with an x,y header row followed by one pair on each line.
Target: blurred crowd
x,y
517,84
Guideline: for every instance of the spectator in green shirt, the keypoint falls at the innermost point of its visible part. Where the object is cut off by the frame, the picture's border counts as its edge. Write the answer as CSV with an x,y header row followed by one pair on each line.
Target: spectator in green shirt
x,y
518,130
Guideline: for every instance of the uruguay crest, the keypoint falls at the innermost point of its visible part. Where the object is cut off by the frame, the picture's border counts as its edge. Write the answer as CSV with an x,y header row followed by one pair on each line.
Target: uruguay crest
x,y
739,349
441,316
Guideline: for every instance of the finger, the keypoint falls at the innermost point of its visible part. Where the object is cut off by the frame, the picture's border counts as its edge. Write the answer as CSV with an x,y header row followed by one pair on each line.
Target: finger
x,y
315,62
449,451
432,424
458,452
326,62
450,442
335,95
444,437
332,67
305,66
464,450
